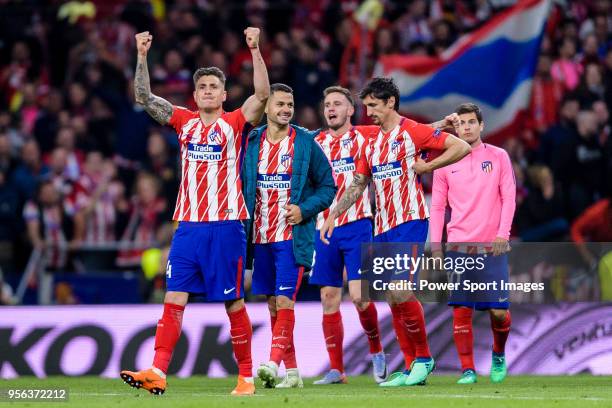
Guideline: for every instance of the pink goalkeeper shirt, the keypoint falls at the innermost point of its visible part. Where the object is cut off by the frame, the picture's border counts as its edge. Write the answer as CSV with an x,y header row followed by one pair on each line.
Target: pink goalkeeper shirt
x,y
480,190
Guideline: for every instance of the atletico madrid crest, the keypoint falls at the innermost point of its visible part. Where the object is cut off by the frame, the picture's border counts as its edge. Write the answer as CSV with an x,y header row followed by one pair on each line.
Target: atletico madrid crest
x,y
285,161
487,166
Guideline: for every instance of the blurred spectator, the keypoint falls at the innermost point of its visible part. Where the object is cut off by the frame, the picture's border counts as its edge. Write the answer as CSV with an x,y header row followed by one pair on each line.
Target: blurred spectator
x,y
97,196
7,162
10,227
579,164
173,79
560,133
546,96
66,139
161,162
48,122
30,172
58,175
566,69
49,228
591,87
144,217
540,216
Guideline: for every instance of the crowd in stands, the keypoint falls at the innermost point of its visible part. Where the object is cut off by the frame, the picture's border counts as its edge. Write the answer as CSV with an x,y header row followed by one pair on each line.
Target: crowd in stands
x,y
82,165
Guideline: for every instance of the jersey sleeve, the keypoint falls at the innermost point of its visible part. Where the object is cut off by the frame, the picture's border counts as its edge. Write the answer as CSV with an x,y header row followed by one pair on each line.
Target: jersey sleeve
x,y
507,191
179,117
426,137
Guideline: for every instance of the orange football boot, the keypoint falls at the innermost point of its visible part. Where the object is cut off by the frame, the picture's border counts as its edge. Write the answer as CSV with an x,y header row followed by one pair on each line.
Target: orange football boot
x,y
243,387
146,379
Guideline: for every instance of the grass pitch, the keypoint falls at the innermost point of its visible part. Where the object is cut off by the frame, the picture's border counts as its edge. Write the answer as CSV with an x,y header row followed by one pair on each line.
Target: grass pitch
x,y
441,391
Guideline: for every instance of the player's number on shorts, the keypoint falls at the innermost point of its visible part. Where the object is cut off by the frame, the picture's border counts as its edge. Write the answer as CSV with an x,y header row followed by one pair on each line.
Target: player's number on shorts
x,y
169,270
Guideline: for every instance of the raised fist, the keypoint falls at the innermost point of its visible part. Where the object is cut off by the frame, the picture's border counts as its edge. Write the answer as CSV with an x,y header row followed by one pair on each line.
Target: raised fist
x,y
252,37
143,42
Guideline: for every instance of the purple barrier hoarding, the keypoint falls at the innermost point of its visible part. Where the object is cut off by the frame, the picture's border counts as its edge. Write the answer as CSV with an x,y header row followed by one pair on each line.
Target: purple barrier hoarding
x,y
100,340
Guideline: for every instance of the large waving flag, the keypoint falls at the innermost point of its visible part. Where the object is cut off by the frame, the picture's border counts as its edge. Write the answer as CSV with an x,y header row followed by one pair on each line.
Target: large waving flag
x,y
492,67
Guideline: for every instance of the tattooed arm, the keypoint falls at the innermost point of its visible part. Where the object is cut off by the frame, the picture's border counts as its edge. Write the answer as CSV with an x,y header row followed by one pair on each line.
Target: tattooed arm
x,y
350,197
159,108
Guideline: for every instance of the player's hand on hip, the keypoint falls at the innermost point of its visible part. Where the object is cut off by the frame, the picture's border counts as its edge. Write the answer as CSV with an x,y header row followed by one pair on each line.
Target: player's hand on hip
x,y
293,214
500,246
252,37
420,166
327,230
143,42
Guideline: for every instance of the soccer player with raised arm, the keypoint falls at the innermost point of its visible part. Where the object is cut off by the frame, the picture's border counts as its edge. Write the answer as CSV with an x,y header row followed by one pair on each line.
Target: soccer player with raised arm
x,y
287,182
401,209
480,190
208,251
344,144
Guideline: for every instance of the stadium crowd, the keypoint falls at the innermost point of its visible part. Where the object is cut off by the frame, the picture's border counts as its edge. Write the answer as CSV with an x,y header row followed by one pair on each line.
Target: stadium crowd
x,y
82,165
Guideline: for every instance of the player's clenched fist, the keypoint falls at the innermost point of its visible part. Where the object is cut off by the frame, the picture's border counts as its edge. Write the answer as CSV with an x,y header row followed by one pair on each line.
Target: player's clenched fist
x,y
143,42
252,37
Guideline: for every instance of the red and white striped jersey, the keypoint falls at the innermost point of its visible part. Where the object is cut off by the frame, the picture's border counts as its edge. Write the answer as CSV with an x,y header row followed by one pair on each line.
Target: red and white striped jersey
x,y
388,160
211,157
343,152
273,192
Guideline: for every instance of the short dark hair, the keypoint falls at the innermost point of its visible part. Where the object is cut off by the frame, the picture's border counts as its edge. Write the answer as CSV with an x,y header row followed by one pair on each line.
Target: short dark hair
x,y
339,89
214,71
381,88
469,108
278,87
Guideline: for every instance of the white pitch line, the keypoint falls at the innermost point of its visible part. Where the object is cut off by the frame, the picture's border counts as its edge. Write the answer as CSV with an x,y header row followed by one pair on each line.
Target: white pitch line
x,y
439,396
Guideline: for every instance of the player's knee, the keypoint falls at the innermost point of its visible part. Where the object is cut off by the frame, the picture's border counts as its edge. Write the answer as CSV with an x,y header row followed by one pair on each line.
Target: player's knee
x,y
272,305
395,297
330,300
234,305
498,314
176,298
283,302
359,303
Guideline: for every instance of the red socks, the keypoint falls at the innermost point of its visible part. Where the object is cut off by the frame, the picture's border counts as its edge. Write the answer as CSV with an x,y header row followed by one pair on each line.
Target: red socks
x,y
369,322
167,334
403,338
282,334
242,332
463,336
501,329
414,319
289,358
333,330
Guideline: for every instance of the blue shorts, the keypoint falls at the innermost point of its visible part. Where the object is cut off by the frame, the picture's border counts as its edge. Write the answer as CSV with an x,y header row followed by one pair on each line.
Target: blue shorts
x,y
414,232
208,258
344,249
486,269
275,271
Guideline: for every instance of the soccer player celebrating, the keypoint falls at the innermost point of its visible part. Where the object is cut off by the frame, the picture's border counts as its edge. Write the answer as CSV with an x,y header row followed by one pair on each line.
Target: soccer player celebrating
x,y
344,144
480,190
402,213
209,247
288,181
